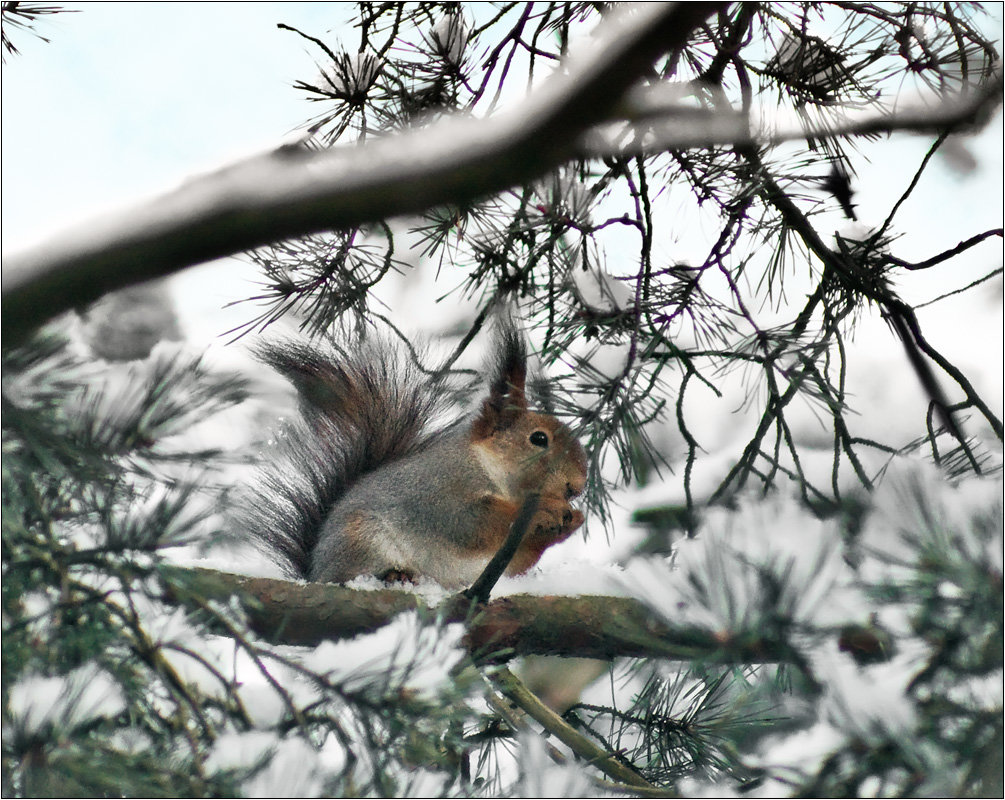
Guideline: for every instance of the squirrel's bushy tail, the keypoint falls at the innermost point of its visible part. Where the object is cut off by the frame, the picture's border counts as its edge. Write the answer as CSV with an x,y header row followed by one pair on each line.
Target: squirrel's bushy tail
x,y
358,411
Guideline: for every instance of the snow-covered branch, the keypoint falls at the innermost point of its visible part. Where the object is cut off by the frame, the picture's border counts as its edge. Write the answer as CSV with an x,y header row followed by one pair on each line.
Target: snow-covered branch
x,y
293,191
588,626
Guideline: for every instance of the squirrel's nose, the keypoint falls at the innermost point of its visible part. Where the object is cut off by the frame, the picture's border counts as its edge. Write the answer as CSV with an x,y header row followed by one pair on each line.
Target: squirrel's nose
x,y
573,491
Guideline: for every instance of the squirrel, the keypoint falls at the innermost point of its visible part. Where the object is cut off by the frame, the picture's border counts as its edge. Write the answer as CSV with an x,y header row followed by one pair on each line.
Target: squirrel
x,y
364,484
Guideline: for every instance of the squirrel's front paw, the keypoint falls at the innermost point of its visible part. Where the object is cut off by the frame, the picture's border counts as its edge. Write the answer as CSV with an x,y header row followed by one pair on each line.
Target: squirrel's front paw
x,y
554,522
557,523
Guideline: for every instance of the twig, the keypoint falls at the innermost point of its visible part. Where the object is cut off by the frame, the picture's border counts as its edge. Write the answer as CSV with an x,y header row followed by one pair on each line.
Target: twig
x,y
946,255
875,237
480,590
954,372
514,689
962,289
318,42
516,718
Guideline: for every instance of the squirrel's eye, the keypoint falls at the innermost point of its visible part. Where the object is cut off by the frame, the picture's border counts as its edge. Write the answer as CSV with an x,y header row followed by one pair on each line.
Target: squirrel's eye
x,y
539,439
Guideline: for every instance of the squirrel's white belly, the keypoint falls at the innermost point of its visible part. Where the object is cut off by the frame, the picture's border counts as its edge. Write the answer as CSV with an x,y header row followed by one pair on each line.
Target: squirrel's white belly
x,y
399,552
462,572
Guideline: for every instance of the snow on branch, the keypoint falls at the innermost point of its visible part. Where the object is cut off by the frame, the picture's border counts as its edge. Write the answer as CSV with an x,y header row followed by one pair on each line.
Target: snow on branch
x,y
292,191
595,626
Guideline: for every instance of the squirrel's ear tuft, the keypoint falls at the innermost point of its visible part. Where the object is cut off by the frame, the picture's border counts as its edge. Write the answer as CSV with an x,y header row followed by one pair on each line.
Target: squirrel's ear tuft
x,y
507,391
509,378
541,394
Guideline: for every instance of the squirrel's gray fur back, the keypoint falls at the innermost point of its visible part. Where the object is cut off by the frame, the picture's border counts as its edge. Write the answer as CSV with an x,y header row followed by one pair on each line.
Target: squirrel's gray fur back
x,y
359,411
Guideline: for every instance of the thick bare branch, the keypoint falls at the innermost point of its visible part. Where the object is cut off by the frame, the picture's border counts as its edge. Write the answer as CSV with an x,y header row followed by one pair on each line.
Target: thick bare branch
x,y
293,191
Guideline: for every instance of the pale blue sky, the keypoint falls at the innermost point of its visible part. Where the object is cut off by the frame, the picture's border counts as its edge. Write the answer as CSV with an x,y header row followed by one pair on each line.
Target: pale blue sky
x,y
130,98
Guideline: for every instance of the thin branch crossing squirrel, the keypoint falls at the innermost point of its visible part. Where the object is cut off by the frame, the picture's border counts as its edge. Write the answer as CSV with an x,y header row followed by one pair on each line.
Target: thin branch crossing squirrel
x,y
363,486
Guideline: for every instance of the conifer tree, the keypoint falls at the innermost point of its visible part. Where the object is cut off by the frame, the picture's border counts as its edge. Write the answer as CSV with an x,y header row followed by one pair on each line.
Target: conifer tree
x,y
785,629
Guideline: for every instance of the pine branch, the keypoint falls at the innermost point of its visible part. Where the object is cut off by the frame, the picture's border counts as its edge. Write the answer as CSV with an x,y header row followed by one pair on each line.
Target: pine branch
x,y
587,626
292,191
659,126
516,691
